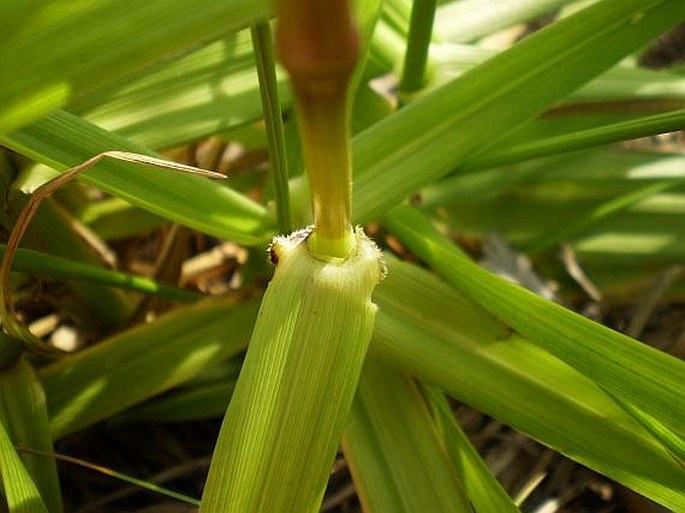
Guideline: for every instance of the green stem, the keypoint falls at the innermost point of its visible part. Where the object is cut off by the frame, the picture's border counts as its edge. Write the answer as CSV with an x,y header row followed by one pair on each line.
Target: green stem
x,y
418,43
268,87
319,45
323,124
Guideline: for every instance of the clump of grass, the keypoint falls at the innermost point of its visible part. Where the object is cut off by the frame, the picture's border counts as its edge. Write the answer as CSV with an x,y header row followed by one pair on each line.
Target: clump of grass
x,y
518,140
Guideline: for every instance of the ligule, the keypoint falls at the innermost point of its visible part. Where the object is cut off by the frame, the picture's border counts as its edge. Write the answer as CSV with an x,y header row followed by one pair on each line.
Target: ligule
x,y
281,432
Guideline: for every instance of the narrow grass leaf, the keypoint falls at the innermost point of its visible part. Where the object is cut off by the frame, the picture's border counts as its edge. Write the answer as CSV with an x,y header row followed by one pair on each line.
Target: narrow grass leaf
x,y
604,210
675,444
654,383
144,361
519,198
396,458
437,334
20,491
24,416
209,91
639,127
622,86
266,69
482,488
46,76
41,264
145,485
200,402
409,149
62,140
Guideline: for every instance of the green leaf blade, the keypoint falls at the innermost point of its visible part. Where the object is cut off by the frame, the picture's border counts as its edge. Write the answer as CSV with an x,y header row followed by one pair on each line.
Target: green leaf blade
x,y
411,148
655,382
395,456
140,363
438,335
62,140
482,488
41,264
23,478
92,54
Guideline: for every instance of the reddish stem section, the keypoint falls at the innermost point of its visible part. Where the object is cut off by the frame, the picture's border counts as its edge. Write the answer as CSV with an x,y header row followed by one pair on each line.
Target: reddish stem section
x,y
318,44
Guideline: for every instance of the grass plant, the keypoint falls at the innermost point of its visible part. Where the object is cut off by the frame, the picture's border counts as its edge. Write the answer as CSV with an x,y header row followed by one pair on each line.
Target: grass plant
x,y
392,116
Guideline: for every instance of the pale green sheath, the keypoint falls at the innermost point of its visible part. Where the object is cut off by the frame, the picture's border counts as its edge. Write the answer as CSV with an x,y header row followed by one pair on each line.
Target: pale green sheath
x,y
299,377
